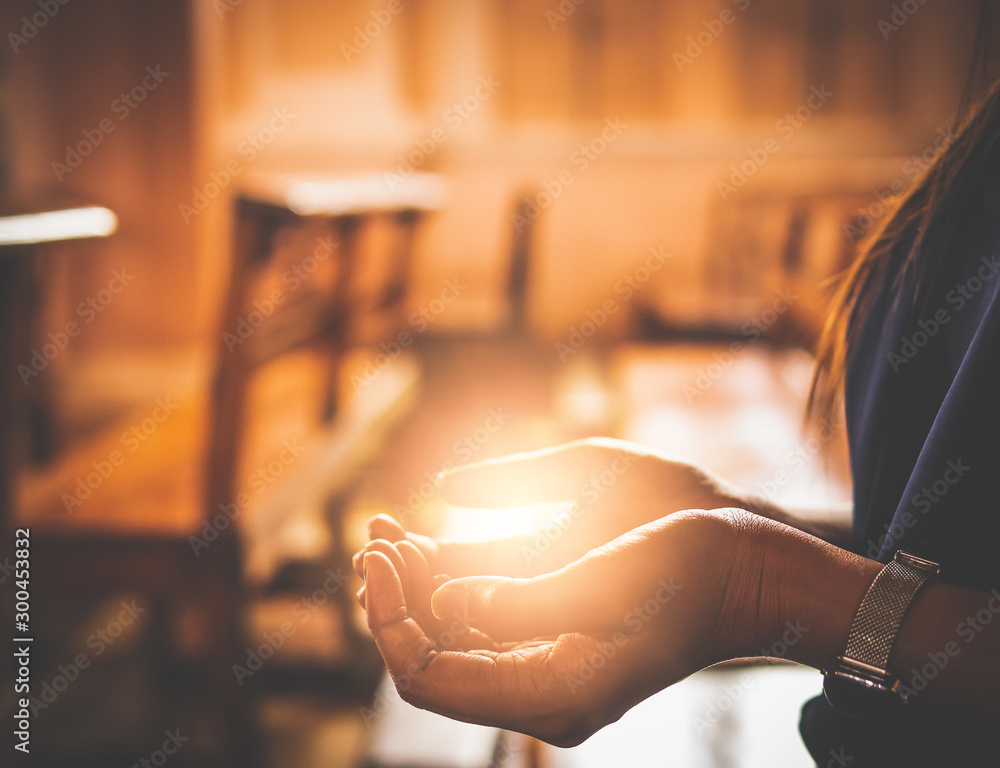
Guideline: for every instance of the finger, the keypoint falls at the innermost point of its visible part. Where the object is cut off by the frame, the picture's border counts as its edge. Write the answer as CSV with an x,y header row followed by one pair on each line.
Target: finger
x,y
385,602
419,581
549,475
390,551
467,687
385,527
379,527
357,562
440,580
404,646
508,609
449,632
454,635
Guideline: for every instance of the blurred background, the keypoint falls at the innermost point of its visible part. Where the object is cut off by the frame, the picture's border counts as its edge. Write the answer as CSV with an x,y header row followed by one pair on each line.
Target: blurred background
x,y
268,267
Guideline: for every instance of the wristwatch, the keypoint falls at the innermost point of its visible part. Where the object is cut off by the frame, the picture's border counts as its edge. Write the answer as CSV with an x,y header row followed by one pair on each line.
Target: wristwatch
x,y
860,682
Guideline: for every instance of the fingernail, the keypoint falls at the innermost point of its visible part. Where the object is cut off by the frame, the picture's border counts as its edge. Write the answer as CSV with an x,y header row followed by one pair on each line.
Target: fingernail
x,y
364,564
449,601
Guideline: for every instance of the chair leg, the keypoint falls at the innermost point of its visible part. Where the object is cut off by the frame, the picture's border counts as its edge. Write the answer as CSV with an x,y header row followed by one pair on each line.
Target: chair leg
x,y
221,598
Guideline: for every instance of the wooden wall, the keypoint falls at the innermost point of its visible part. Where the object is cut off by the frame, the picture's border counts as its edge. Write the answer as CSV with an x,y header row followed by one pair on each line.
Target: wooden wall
x,y
374,84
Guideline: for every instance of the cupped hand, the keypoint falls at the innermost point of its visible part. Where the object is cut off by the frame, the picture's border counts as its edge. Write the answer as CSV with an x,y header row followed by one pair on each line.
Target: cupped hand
x,y
584,643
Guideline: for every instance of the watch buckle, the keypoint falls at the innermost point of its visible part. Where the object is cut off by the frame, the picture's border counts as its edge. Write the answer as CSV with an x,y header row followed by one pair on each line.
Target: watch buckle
x,y
865,674
927,566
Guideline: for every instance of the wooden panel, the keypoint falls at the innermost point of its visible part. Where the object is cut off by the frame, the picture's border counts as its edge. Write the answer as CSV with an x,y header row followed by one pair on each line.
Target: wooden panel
x,y
307,34
631,79
534,61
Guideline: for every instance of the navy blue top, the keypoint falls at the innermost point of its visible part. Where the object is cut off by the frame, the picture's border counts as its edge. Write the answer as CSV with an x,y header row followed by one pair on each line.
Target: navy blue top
x,y
923,417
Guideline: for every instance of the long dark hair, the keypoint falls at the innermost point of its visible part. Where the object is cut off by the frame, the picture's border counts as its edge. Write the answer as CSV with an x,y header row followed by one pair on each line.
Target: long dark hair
x,y
931,208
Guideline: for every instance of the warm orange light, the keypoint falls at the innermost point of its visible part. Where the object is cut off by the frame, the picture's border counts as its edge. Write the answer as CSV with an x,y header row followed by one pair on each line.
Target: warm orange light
x,y
92,221
310,196
465,524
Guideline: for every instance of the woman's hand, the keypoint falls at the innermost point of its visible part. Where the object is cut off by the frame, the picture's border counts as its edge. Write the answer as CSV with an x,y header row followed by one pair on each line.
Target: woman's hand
x,y
585,643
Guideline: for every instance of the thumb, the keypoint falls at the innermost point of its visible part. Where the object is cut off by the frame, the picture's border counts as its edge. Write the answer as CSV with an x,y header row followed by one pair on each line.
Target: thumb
x,y
521,609
636,574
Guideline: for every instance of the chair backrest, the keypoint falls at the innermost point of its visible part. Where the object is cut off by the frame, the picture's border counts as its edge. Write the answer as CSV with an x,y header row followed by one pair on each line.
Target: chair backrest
x,y
292,296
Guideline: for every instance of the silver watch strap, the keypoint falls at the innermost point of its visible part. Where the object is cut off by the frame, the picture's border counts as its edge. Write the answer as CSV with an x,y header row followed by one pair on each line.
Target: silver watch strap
x,y
873,631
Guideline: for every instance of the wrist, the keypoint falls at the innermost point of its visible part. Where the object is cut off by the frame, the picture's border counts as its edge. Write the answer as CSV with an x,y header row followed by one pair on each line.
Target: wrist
x,y
750,604
794,594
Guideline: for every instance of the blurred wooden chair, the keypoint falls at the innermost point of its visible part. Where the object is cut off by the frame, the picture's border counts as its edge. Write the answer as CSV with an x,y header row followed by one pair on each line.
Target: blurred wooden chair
x,y
303,300
760,243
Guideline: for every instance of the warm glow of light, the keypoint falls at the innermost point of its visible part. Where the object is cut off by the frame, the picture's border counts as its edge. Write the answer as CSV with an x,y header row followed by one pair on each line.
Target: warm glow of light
x,y
465,524
92,221
582,397
422,191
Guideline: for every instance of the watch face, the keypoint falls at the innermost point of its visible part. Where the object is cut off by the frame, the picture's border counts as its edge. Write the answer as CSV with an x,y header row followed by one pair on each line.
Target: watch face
x,y
862,697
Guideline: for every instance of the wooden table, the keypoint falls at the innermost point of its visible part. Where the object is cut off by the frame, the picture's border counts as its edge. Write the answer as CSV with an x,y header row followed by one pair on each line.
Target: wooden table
x,y
27,224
